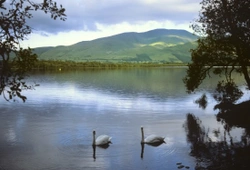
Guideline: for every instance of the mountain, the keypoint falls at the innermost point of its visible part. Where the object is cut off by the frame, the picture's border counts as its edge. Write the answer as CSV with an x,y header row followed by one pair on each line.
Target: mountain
x,y
159,45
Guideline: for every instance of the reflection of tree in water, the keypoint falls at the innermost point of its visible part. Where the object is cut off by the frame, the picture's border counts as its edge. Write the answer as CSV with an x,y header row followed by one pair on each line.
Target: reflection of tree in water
x,y
226,153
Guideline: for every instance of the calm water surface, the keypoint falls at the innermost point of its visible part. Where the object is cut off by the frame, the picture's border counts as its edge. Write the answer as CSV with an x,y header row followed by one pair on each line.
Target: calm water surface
x,y
53,129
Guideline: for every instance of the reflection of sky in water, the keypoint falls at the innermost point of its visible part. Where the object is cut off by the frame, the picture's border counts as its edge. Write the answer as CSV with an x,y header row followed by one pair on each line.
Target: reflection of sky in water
x,y
99,99
11,135
56,122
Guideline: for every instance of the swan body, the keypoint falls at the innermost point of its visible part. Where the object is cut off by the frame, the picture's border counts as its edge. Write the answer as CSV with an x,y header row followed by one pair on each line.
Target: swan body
x,y
151,139
101,140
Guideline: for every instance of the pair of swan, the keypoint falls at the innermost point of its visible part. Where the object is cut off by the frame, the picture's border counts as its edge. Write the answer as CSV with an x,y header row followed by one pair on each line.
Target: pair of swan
x,y
105,139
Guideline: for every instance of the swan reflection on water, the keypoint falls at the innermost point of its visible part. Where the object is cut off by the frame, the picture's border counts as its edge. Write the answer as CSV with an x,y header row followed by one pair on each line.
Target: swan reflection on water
x,y
152,140
101,141
156,144
99,146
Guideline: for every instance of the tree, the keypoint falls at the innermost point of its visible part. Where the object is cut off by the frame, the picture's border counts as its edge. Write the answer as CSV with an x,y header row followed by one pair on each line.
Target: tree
x,y
223,46
16,61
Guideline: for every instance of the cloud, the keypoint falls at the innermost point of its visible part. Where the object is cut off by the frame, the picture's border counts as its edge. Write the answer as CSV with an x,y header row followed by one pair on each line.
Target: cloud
x,y
90,19
85,14
102,30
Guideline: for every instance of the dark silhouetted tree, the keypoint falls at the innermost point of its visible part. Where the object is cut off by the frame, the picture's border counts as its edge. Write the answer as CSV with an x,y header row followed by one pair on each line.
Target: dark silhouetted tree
x,y
224,30
16,61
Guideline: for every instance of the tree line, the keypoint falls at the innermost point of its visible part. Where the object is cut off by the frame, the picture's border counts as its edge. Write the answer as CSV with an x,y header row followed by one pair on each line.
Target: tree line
x,y
67,65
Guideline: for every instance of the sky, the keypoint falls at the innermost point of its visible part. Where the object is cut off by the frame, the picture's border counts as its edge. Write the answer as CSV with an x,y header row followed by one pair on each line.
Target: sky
x,y
92,19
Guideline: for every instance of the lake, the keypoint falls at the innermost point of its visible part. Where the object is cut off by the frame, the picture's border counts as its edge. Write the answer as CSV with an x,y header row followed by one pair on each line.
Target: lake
x,y
53,128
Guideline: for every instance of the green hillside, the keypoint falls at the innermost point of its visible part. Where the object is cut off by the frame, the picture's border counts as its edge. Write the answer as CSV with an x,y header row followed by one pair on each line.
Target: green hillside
x,y
160,45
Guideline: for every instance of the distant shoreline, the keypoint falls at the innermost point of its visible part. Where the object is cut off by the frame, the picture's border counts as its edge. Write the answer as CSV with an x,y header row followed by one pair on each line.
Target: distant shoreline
x,y
68,65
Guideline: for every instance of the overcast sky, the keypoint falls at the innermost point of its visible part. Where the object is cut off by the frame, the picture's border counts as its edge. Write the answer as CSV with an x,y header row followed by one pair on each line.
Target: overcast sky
x,y
92,19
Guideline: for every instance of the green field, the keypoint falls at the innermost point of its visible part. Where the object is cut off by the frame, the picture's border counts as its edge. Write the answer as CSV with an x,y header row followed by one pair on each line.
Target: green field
x,y
157,46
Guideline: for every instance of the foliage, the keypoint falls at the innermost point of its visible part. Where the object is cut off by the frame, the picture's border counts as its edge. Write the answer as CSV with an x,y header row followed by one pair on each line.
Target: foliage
x,y
14,28
202,101
224,43
12,76
227,92
234,115
72,65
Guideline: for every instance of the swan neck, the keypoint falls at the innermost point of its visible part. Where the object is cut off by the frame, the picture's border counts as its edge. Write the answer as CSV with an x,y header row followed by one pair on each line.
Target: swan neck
x,y
142,136
93,143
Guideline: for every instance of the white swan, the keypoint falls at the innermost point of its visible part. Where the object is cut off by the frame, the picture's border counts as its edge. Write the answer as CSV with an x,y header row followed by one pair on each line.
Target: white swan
x,y
151,139
101,140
